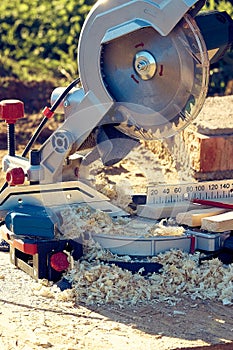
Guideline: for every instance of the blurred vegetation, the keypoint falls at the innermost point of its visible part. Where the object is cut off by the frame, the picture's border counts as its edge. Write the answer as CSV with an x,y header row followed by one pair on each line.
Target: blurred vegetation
x,y
220,5
39,40
221,73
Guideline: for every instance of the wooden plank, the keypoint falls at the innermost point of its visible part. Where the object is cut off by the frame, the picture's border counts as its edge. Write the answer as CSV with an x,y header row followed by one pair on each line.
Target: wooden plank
x,y
220,148
218,223
193,218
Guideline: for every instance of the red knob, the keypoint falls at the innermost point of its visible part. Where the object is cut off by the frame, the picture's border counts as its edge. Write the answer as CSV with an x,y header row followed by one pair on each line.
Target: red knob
x,y
15,176
59,261
11,110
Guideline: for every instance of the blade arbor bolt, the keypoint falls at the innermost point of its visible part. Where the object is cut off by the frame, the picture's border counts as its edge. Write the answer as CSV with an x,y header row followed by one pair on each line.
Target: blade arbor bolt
x,y
145,65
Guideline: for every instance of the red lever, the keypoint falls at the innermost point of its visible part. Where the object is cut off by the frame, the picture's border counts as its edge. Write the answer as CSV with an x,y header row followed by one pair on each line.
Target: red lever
x,y
11,110
15,176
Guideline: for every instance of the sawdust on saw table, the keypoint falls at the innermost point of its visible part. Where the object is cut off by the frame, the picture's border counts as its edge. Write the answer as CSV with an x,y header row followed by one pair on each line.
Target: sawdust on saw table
x,y
32,321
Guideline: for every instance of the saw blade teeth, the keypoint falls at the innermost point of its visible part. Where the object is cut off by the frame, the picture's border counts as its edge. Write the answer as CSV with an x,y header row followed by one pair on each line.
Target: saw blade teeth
x,y
174,91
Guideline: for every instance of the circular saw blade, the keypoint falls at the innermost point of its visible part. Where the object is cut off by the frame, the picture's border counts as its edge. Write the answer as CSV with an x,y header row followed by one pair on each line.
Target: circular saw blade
x,y
159,83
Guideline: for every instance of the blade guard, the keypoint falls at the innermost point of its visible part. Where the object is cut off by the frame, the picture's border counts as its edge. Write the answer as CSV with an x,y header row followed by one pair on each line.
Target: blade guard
x,y
110,20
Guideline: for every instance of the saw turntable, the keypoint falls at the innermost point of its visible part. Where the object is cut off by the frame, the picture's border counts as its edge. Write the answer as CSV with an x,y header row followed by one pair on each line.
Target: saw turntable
x,y
144,69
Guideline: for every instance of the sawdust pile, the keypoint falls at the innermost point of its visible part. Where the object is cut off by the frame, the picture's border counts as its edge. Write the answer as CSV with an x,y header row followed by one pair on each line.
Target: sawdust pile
x,y
77,221
181,274
96,280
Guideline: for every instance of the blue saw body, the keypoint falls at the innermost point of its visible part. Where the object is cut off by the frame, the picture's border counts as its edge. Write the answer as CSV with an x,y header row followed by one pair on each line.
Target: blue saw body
x,y
30,221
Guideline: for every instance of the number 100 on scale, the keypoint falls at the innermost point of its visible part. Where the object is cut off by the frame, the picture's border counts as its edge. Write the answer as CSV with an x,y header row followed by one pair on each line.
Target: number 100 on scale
x,y
173,193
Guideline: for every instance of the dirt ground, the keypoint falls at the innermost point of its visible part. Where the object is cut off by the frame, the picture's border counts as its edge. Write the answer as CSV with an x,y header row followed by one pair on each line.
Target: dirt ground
x,y
30,321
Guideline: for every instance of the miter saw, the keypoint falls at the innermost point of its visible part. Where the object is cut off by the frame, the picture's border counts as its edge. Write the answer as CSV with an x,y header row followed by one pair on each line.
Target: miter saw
x,y
144,68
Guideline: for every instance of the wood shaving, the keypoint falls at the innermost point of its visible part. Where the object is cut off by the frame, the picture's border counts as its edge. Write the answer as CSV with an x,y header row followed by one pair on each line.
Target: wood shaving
x,y
77,221
159,229
97,281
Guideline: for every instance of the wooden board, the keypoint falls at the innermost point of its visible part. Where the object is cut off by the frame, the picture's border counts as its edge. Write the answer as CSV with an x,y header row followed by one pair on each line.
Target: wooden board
x,y
193,218
218,223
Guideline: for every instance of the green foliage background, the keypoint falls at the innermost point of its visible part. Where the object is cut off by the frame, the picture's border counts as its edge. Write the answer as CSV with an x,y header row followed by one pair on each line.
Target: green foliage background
x,y
222,72
39,39
220,5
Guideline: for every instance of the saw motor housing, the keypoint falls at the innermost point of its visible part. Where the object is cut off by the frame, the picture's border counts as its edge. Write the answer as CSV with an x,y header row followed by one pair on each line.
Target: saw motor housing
x,y
144,69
